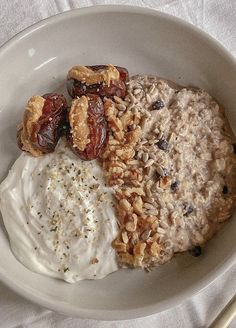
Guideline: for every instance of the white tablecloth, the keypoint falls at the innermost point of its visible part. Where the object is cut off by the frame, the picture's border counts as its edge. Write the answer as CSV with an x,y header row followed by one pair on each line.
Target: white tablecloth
x,y
218,18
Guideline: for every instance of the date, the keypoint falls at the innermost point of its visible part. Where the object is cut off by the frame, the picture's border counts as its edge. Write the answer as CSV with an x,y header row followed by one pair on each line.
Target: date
x,y
43,124
88,128
103,80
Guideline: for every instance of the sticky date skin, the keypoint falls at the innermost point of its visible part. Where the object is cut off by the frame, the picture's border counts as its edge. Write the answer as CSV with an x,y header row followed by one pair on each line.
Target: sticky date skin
x,y
98,130
116,88
51,124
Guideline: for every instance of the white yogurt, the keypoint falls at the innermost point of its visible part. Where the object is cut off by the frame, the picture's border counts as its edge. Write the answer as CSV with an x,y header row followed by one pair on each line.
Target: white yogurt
x,y
59,216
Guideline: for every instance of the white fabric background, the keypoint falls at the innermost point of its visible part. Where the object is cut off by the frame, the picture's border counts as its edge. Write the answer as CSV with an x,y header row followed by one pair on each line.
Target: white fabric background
x,y
218,18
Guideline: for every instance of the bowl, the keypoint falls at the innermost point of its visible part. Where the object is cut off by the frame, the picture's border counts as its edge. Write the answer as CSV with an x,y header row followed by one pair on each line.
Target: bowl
x,y
36,61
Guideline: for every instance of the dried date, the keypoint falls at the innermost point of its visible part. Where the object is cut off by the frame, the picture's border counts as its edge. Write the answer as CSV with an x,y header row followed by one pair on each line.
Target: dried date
x,y
43,124
88,128
102,80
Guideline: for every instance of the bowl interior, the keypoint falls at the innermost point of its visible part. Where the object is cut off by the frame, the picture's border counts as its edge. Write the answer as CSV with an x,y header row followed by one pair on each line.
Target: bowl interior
x,y
144,41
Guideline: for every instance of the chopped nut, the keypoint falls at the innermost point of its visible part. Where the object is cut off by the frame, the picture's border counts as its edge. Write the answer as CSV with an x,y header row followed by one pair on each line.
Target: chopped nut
x,y
125,237
138,259
128,192
119,246
78,116
126,119
125,205
154,249
125,153
134,238
132,137
132,224
126,258
165,182
138,205
139,248
154,238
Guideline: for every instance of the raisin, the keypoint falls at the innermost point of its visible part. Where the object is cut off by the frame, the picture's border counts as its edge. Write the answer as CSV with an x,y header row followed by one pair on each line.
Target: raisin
x,y
196,251
234,146
157,105
163,144
174,186
225,190
188,209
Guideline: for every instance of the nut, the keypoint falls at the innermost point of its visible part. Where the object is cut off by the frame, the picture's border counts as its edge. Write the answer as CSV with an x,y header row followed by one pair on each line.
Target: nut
x,y
125,237
132,224
119,246
90,76
125,205
138,205
139,248
78,118
88,129
155,249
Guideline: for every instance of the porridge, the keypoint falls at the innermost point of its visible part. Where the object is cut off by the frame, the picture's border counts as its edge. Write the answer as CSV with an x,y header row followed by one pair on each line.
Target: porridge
x,y
174,175
144,169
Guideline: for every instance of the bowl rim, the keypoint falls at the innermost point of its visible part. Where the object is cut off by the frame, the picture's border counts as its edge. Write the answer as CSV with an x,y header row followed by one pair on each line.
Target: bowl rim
x,y
111,315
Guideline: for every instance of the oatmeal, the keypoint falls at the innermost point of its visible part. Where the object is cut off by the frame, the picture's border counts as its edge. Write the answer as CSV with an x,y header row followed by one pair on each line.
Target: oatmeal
x,y
171,161
145,169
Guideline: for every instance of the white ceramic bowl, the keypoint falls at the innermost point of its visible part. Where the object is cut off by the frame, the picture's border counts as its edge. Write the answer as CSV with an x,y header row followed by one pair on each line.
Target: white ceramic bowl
x,y
36,61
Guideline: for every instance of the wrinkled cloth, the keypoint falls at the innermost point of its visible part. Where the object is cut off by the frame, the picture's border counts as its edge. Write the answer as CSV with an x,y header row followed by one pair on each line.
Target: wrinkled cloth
x,y
217,17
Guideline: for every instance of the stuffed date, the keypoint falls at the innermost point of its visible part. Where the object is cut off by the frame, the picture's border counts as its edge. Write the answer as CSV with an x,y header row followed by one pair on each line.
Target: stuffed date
x,y
103,80
43,124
